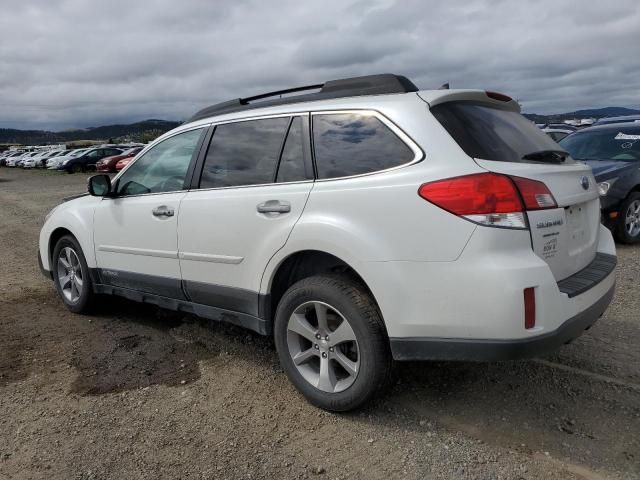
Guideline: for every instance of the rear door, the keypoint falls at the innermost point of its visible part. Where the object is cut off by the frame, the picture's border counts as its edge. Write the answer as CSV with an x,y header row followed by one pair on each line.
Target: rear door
x,y
498,138
255,181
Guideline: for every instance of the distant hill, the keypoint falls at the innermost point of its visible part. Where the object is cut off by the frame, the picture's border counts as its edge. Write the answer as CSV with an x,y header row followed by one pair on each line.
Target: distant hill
x,y
587,113
136,132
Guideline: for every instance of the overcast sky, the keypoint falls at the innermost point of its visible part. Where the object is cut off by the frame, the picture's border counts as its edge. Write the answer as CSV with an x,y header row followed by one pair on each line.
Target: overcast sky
x,y
80,63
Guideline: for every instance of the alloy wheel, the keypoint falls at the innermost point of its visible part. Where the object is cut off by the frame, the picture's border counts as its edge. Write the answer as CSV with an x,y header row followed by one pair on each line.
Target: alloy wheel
x,y
323,346
70,274
632,218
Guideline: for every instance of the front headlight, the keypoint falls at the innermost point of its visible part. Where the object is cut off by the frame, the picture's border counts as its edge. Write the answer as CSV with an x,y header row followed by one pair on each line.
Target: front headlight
x,y
603,187
66,161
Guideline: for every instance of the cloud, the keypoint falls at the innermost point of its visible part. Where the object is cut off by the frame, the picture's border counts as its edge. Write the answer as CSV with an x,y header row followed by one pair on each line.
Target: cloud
x,y
72,63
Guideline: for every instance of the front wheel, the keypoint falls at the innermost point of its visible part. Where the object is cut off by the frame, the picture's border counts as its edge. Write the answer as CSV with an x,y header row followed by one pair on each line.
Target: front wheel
x,y
332,342
71,275
628,228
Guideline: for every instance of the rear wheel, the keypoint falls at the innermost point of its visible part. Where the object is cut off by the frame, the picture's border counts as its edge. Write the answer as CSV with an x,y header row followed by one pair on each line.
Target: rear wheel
x,y
71,275
628,228
332,342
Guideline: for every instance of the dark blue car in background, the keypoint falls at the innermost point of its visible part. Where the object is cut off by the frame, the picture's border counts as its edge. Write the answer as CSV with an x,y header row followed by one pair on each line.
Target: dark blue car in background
x,y
613,152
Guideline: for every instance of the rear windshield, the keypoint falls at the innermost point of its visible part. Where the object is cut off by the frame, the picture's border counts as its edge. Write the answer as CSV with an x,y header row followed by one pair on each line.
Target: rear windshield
x,y
622,144
489,133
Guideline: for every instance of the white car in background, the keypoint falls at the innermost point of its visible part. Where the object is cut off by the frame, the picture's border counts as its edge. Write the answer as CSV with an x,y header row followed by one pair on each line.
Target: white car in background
x,y
35,161
55,162
12,157
19,159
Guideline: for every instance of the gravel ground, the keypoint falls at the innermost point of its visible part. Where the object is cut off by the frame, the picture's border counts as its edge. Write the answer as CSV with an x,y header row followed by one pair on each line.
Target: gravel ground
x,y
138,392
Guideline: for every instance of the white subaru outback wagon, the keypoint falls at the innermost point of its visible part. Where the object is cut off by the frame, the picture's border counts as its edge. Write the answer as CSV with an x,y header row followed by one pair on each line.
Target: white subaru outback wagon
x,y
360,223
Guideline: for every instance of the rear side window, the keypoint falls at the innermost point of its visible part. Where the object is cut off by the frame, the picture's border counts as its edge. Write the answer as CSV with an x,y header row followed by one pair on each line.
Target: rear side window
x,y
244,153
489,133
355,143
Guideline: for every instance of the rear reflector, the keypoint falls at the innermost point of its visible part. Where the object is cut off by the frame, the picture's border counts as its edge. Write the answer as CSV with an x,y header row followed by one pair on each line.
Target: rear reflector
x,y
529,307
488,198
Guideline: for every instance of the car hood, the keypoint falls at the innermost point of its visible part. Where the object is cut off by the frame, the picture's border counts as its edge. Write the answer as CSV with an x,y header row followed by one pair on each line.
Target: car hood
x,y
605,169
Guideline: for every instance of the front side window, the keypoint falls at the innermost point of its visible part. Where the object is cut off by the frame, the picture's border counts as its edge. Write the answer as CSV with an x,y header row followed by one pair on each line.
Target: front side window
x,y
162,168
355,143
244,153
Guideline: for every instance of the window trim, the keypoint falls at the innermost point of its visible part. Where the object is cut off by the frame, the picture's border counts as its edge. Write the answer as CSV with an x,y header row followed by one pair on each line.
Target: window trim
x,y
188,175
418,154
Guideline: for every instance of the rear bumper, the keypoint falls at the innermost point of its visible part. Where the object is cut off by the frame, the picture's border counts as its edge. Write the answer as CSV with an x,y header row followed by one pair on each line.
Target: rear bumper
x,y
406,349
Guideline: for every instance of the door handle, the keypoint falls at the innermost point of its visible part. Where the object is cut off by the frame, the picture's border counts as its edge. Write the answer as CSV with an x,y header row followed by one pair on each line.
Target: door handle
x,y
274,206
162,211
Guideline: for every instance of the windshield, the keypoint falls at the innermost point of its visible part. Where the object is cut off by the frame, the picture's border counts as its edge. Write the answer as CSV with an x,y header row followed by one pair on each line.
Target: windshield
x,y
621,144
489,133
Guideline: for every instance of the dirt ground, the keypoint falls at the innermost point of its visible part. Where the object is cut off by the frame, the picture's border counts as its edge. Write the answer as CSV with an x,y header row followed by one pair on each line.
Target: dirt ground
x,y
138,392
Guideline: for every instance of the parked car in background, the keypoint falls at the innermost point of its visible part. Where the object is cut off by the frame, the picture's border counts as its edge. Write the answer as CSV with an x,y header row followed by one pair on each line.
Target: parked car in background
x,y
11,159
36,161
55,162
623,119
20,160
54,154
360,224
87,160
123,163
108,164
557,133
613,152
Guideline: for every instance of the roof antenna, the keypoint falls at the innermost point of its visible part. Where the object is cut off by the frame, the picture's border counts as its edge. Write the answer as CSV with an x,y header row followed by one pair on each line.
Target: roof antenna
x,y
444,86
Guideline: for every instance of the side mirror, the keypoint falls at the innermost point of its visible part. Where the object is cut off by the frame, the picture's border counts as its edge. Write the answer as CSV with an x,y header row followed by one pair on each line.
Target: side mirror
x,y
99,186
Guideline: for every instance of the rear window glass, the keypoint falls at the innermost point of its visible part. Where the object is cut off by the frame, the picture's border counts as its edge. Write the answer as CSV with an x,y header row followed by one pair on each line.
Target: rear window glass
x,y
355,143
621,144
488,133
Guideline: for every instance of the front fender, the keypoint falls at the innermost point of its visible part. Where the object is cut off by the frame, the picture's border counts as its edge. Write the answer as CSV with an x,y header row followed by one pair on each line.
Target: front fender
x,y
76,216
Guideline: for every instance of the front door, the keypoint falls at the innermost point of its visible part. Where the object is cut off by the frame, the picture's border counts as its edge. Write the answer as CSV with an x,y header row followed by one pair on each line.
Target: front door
x,y
135,232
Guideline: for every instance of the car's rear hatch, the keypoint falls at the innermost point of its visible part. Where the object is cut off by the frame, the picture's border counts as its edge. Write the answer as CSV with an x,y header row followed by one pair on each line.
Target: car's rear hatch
x,y
492,132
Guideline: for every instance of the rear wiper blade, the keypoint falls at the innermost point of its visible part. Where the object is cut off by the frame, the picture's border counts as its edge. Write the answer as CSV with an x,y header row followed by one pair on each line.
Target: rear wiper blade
x,y
547,155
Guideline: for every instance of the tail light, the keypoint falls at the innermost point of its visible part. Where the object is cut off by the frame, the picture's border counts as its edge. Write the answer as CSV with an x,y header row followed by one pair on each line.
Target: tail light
x,y
489,199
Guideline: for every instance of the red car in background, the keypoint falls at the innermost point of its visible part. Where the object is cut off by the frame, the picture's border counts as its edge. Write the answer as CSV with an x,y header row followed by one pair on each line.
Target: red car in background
x,y
123,163
108,164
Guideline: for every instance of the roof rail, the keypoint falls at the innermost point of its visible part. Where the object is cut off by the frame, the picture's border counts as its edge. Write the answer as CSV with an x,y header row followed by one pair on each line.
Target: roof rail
x,y
348,87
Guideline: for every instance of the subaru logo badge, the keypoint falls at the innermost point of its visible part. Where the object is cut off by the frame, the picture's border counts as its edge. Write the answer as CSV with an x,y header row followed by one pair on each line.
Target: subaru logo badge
x,y
584,181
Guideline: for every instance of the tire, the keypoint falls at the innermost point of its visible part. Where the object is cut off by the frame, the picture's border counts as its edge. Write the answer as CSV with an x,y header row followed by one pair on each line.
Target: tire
x,y
342,300
628,225
78,297
77,168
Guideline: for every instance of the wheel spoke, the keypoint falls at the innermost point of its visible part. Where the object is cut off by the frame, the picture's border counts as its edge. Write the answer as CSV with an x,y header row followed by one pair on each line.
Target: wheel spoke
x,y
304,356
327,380
74,291
321,314
344,333
300,325
67,255
78,284
64,263
64,281
350,367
